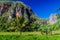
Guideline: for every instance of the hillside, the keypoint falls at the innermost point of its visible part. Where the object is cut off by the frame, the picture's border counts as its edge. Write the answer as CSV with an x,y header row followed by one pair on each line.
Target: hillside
x,y
14,14
17,16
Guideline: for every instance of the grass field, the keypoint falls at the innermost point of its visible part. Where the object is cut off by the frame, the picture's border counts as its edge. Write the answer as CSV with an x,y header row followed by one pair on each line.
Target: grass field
x,y
18,33
26,33
27,36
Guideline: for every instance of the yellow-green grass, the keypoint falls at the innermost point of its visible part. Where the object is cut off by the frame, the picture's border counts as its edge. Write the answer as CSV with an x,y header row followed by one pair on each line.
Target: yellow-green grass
x,y
9,33
27,36
18,33
26,33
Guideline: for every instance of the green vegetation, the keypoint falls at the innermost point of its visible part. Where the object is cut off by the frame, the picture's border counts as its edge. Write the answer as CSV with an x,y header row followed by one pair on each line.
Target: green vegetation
x,y
26,26
29,37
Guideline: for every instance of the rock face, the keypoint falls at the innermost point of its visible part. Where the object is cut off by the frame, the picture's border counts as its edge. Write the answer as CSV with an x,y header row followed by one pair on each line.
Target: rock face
x,y
53,18
16,10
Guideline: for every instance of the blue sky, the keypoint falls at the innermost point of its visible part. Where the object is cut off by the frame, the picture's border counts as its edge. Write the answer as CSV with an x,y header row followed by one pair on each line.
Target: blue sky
x,y
43,8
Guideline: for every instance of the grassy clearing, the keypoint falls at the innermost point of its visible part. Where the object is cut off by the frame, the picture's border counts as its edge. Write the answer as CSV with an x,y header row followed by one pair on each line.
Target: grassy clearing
x,y
27,36
9,33
27,33
18,33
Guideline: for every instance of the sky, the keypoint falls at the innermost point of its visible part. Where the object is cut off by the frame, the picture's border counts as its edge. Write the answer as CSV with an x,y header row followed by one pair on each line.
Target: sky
x,y
43,8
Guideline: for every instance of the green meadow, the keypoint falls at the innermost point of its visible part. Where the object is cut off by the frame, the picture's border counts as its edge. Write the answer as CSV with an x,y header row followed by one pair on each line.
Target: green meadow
x,y
27,36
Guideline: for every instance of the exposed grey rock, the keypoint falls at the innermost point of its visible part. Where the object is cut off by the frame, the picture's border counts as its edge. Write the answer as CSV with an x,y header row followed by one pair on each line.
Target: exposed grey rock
x,y
53,19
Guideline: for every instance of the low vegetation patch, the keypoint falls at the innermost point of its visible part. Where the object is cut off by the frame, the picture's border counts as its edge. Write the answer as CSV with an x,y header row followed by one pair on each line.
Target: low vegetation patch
x,y
29,37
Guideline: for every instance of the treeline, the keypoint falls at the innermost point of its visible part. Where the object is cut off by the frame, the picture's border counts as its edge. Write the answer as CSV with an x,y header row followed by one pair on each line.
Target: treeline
x,y
22,24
